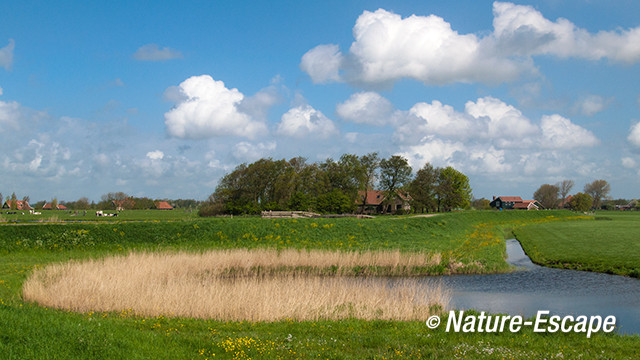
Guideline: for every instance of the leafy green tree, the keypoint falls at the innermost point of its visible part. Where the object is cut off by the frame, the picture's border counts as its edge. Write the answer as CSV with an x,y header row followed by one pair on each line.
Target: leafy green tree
x,y
481,204
82,204
142,203
300,201
454,190
14,202
1,198
335,202
395,173
581,202
54,204
370,164
547,195
599,190
424,189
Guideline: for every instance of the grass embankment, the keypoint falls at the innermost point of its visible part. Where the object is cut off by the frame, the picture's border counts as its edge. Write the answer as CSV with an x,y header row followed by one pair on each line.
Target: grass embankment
x,y
608,243
469,242
473,239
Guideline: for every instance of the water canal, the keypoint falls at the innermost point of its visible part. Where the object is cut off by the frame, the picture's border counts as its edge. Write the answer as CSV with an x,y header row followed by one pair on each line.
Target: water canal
x,y
562,292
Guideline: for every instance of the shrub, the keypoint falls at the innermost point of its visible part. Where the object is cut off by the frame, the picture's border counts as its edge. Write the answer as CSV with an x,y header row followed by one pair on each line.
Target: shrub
x,y
211,209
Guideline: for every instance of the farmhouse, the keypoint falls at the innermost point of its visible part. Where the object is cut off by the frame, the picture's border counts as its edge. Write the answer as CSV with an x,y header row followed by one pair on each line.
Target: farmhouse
x,y
564,204
47,206
376,202
20,205
514,202
163,205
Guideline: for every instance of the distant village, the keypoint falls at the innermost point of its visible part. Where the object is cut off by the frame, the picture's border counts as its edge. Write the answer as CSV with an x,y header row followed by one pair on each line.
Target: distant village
x,y
124,202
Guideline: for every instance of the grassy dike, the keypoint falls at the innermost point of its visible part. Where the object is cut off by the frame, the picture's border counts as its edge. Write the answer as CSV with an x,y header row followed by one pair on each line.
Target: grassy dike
x,y
608,243
471,241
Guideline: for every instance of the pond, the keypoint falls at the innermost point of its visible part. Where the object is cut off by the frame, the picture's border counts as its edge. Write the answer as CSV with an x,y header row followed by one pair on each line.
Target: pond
x,y
562,292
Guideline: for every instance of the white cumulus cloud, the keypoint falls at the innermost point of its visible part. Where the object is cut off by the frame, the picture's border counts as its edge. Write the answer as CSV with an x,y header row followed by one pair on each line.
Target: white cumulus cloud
x,y
323,63
591,105
10,113
305,121
440,119
628,162
155,155
434,151
207,109
6,55
426,48
388,47
560,133
152,52
366,108
245,151
634,135
523,30
503,122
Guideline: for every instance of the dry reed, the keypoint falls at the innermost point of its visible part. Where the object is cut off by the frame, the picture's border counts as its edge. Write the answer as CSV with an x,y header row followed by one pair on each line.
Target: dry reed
x,y
198,285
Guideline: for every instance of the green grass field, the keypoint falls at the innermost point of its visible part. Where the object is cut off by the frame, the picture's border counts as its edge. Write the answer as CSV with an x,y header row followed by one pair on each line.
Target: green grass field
x,y
58,216
609,243
28,331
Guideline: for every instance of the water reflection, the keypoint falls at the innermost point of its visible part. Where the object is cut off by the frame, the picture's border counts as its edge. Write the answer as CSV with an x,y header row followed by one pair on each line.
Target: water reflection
x,y
562,292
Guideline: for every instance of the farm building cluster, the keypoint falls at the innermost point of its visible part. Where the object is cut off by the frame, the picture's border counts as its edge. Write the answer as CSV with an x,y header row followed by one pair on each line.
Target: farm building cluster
x,y
119,205
514,203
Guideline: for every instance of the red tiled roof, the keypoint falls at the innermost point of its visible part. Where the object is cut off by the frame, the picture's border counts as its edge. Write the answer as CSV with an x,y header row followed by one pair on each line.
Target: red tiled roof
x,y
163,205
566,201
525,204
374,197
47,206
510,198
20,205
522,205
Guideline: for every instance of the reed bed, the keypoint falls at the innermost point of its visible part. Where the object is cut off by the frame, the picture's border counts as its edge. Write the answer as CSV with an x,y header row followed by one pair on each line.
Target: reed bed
x,y
265,285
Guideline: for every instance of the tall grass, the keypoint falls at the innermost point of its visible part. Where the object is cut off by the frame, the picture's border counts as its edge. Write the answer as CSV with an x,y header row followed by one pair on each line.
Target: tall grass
x,y
198,286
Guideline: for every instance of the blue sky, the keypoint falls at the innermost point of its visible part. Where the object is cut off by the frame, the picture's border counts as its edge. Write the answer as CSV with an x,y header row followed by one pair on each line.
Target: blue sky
x,y
162,99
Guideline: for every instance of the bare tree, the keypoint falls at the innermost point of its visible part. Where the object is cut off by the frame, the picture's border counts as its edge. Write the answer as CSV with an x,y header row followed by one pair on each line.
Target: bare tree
x,y
565,187
599,189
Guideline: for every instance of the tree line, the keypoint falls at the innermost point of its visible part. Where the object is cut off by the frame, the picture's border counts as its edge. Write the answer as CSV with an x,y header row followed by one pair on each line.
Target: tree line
x,y
333,186
595,195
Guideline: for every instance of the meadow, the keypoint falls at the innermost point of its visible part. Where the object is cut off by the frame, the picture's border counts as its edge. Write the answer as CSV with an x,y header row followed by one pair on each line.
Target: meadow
x,y
609,244
469,242
59,216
